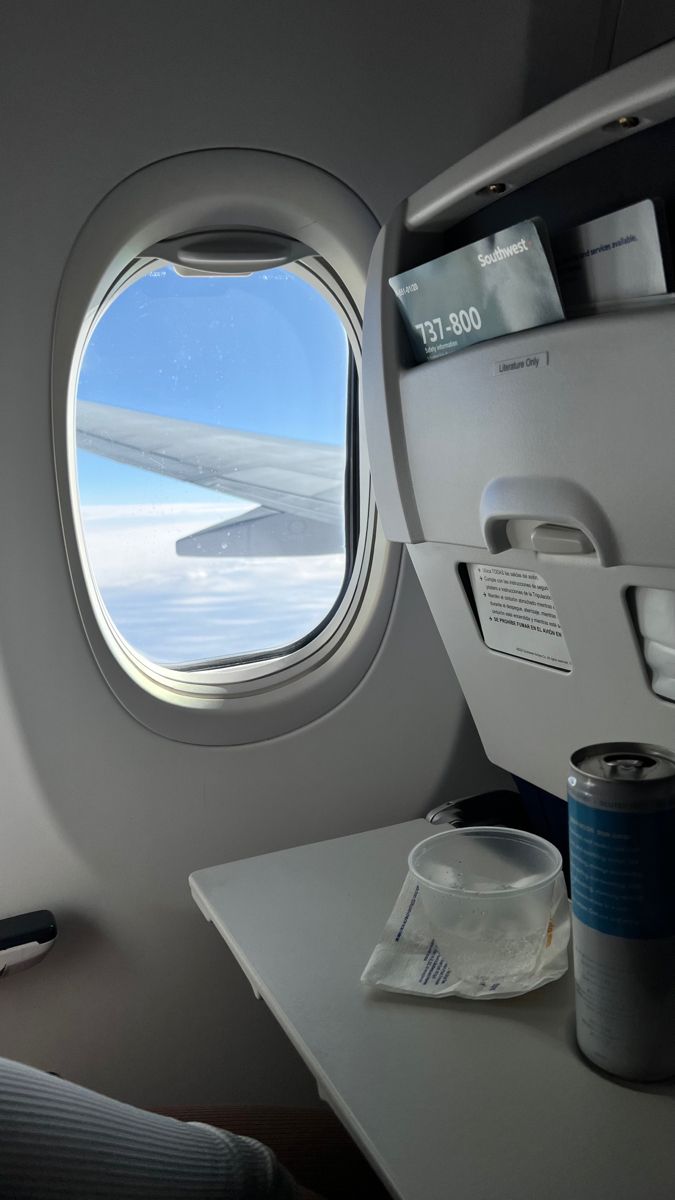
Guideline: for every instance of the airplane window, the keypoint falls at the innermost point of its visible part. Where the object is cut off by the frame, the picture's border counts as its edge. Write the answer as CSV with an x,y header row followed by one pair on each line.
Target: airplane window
x,y
212,422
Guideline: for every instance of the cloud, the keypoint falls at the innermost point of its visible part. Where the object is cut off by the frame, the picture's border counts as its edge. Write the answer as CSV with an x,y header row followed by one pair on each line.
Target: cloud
x,y
176,610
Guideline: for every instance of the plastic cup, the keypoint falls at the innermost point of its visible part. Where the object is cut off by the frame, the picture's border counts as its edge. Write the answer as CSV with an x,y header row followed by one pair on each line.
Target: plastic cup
x,y
488,893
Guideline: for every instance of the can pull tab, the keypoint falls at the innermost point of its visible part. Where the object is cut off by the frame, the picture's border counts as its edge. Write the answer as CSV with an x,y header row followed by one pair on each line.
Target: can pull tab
x,y
627,766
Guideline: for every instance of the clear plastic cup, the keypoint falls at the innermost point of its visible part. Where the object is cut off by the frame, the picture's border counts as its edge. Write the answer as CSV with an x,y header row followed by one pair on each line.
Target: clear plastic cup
x,y
488,894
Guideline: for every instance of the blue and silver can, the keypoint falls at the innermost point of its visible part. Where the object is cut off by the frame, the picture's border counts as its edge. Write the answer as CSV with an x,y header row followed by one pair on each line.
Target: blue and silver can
x,y
622,855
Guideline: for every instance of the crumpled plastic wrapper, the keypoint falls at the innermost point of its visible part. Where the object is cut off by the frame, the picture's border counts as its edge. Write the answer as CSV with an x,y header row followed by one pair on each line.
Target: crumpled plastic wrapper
x,y
407,958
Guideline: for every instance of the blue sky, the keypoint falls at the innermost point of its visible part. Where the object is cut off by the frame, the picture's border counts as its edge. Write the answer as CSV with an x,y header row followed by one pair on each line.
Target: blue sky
x,y
264,354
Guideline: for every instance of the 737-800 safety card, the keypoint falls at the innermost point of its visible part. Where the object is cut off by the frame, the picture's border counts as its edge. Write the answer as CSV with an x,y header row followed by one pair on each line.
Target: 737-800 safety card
x,y
501,284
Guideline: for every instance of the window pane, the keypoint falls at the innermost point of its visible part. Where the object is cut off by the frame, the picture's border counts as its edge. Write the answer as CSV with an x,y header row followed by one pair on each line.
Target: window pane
x,y
211,432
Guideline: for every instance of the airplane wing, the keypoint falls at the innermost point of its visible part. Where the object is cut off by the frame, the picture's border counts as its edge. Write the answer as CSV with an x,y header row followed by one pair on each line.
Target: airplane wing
x,y
298,486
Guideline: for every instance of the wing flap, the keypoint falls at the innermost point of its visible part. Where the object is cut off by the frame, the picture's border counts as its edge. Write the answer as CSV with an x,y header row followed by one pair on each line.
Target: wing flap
x,y
262,533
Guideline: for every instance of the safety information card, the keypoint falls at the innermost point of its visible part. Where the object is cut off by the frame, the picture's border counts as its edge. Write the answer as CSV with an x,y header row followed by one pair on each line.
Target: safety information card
x,y
518,616
502,284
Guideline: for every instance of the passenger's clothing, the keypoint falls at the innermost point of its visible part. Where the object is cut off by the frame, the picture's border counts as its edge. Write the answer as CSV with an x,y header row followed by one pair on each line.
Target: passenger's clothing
x,y
61,1140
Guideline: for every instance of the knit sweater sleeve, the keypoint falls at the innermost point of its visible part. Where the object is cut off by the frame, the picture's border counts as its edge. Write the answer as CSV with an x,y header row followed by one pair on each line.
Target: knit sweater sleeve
x,y
62,1141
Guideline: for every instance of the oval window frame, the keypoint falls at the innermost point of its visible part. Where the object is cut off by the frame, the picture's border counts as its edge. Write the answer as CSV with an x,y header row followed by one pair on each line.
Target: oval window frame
x,y
199,192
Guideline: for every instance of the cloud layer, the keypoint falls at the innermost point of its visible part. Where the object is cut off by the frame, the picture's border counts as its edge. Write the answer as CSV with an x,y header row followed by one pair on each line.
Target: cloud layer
x,y
178,610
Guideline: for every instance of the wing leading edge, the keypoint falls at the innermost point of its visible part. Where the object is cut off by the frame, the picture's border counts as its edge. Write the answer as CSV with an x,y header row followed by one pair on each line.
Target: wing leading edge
x,y
298,486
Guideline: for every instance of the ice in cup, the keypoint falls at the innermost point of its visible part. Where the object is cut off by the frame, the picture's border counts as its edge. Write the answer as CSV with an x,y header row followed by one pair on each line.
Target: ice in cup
x,y
488,893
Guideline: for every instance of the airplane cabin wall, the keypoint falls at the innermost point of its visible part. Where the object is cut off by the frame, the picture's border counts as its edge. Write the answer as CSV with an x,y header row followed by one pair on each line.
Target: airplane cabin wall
x,y
101,819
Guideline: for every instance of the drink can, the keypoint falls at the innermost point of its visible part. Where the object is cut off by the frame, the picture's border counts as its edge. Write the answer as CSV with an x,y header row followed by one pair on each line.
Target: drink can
x,y
621,801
